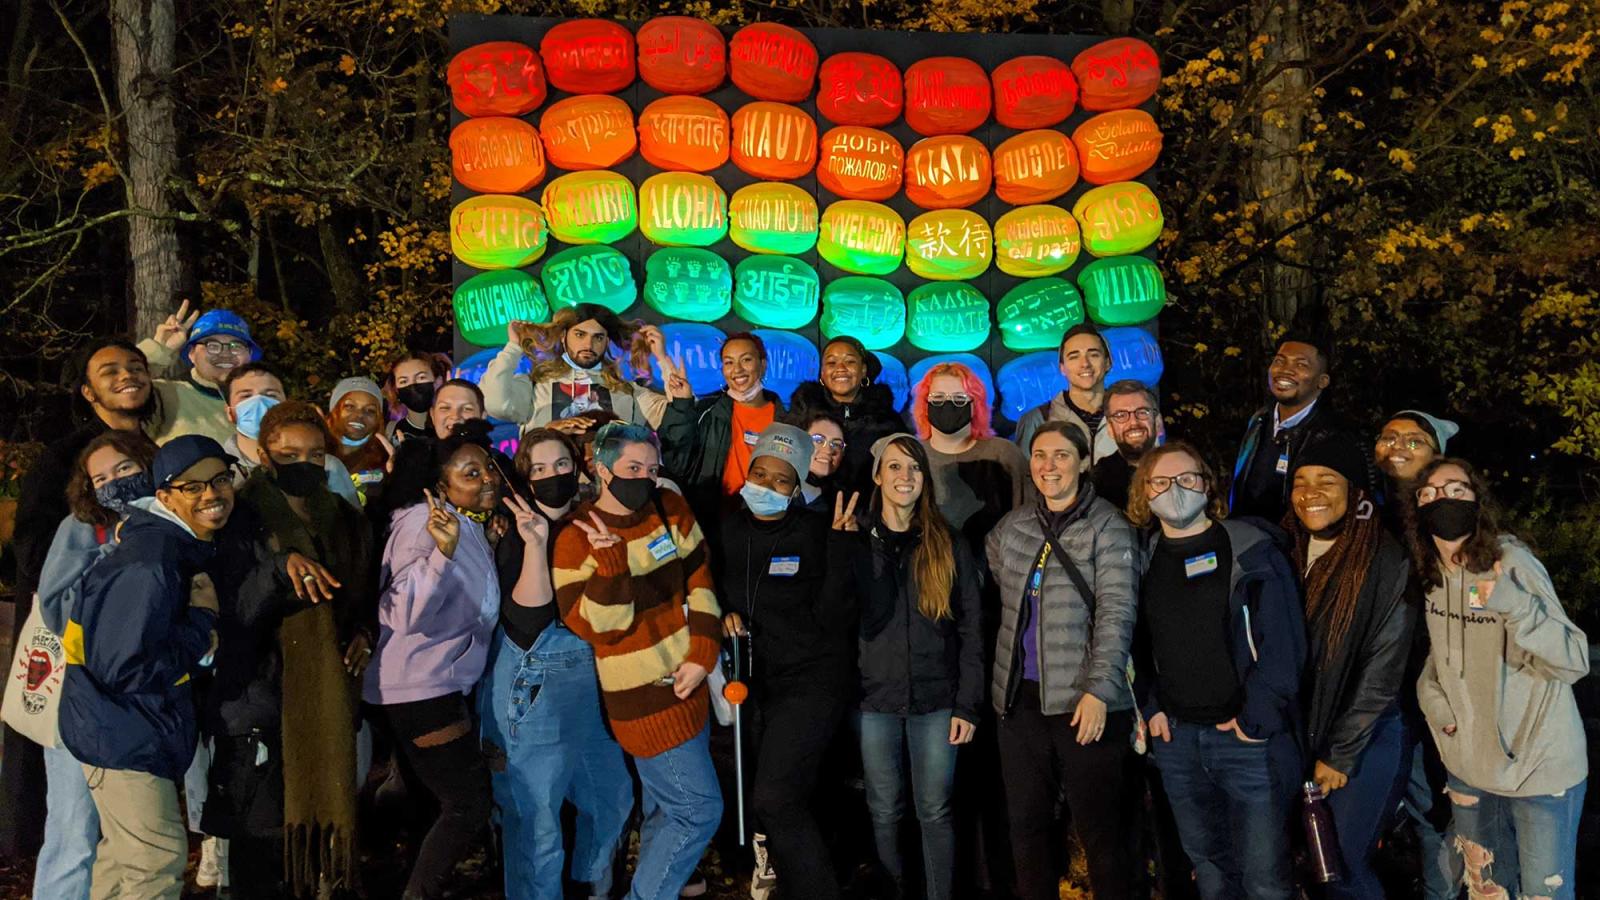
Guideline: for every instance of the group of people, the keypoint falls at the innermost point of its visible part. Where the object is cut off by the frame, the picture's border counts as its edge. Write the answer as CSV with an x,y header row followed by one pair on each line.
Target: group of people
x,y
254,591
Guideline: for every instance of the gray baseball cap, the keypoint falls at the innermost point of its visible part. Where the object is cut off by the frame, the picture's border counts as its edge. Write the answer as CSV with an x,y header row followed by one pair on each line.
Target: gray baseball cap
x,y
786,442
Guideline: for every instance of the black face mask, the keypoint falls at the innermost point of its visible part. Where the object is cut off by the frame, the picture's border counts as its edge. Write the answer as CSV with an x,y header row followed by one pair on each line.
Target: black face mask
x,y
633,493
1447,519
416,397
948,418
299,479
556,491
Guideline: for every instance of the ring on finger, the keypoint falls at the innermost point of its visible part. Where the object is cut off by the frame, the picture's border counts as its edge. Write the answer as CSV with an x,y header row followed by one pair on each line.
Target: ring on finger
x,y
307,578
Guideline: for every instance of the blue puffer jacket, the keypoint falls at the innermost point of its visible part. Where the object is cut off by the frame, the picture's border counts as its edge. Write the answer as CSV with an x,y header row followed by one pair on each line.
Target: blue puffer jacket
x,y
131,646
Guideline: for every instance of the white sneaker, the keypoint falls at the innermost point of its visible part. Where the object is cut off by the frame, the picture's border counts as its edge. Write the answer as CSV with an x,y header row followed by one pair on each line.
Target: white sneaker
x,y
208,874
763,880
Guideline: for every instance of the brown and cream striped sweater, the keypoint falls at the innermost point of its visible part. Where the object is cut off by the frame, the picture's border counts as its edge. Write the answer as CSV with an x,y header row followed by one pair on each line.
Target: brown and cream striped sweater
x,y
627,600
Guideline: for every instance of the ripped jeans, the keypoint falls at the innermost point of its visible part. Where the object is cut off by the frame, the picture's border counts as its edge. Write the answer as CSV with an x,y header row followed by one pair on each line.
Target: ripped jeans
x,y
1530,843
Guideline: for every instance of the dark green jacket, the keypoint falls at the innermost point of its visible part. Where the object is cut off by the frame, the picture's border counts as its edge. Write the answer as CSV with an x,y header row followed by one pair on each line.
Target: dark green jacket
x,y
695,436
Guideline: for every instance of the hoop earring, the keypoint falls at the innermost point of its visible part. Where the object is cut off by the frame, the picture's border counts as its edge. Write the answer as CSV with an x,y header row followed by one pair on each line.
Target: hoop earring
x,y
1365,510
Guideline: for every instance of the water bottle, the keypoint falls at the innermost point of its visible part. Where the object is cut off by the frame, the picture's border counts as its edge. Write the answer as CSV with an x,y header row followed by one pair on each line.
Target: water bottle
x,y
1322,841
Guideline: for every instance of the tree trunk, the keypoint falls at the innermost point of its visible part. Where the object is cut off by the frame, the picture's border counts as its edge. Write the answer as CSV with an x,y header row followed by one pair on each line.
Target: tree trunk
x,y
1277,178
144,33
1116,16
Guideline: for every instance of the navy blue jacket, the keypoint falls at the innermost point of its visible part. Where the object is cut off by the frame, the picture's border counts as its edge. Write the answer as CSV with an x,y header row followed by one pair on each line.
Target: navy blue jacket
x,y
132,645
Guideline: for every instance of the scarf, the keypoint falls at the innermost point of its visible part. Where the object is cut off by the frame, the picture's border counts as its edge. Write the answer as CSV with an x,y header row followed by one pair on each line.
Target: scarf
x,y
319,696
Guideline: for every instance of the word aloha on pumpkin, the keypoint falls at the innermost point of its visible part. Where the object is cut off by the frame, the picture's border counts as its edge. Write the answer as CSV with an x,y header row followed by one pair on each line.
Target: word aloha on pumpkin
x,y
588,56
485,303
590,207
497,231
770,217
684,134
591,131
1035,167
1117,146
949,245
498,78
682,55
1033,92
774,141
682,209
862,237
948,172
860,89
1118,219
947,95
1117,74
773,62
860,163
1033,241
496,155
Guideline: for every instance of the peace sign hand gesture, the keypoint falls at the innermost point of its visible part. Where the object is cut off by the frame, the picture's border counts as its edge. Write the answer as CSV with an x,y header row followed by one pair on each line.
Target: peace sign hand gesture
x,y
844,517
174,332
533,527
443,526
600,537
676,381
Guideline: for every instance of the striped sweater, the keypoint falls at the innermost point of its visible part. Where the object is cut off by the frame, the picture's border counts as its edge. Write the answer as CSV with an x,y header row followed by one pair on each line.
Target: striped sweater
x,y
627,600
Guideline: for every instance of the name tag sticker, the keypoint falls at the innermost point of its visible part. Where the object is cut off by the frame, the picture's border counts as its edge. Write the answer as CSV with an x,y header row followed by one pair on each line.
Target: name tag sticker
x,y
750,438
1474,599
1204,564
784,565
662,548
1283,463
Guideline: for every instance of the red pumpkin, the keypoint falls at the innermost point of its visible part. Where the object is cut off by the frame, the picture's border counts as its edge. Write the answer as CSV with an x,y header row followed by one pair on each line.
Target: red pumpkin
x,y
588,56
1033,92
500,78
948,172
947,95
773,62
1117,74
1117,146
860,89
496,155
860,163
1035,167
684,134
774,141
681,55
590,131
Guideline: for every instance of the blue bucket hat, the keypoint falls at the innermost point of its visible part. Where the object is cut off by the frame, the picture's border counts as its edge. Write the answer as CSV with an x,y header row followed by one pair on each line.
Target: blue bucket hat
x,y
225,323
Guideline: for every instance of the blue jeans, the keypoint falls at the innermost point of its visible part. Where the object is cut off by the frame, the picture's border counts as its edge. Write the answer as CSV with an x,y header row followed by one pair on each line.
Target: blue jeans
x,y
1441,868
1531,842
682,806
1363,808
1232,802
547,742
71,830
885,740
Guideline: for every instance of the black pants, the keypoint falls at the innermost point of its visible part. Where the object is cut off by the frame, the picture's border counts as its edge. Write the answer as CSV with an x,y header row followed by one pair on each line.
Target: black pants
x,y
245,806
1041,759
790,740
439,745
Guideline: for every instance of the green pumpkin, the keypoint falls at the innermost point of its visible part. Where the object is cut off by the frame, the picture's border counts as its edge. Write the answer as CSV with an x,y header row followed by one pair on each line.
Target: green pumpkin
x,y
775,291
1123,290
947,316
1036,313
484,304
688,283
869,309
593,273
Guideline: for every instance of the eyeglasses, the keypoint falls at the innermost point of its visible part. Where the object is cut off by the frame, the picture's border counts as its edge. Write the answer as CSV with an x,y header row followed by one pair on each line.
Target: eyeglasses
x,y
1121,416
835,444
1452,490
1193,481
957,399
1413,442
220,483
225,348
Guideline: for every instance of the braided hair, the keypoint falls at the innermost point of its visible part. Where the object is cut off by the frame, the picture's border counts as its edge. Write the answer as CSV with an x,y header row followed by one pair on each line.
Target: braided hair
x,y
1333,586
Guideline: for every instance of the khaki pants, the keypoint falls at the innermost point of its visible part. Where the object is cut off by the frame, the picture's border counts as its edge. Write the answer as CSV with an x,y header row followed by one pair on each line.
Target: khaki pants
x,y
143,845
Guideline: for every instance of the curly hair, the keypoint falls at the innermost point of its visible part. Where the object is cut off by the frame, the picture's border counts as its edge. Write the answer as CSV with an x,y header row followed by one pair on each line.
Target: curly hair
x,y
438,363
1139,504
81,499
970,382
1478,553
545,343
294,412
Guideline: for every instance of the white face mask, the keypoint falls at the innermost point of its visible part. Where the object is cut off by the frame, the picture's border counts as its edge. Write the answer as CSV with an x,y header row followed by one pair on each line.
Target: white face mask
x,y
1179,507
763,501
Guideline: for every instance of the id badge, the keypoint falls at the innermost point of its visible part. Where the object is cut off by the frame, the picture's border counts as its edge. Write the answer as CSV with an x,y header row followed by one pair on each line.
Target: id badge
x,y
784,566
750,438
662,548
1197,566
1283,463
1474,599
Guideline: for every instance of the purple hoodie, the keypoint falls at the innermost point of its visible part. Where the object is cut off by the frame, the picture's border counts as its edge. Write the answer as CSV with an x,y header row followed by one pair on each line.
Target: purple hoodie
x,y
436,614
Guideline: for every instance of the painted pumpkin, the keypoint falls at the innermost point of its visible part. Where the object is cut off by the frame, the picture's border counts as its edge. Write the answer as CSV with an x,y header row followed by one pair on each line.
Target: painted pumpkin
x,y
682,55
497,231
590,207
1118,219
496,155
769,61
1117,74
682,209
860,89
1117,146
591,131
593,274
947,95
1033,241
485,303
860,163
684,134
588,56
775,291
774,141
949,245
688,283
1036,313
946,316
499,78
1123,290
869,309
771,217
1035,167
948,172
862,237
1033,92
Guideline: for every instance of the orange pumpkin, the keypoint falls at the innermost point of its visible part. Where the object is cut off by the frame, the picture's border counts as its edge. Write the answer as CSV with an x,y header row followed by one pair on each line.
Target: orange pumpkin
x,y
681,55
860,89
773,62
496,155
588,56
1035,167
1117,74
947,95
1033,92
590,131
684,134
948,172
860,163
500,78
1117,146
774,141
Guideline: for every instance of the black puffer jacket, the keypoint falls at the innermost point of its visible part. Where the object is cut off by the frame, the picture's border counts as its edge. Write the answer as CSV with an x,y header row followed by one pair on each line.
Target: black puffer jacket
x,y
870,417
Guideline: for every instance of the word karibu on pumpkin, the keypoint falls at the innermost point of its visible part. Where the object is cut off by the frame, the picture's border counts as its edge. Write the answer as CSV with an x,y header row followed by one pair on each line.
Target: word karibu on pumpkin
x,y
775,291
860,163
688,283
1117,146
1117,74
1118,219
947,95
590,207
861,237
483,304
1123,290
948,172
1033,92
588,56
595,274
497,231
496,155
773,62
684,134
774,141
947,316
682,55
860,89
499,78
1031,241
591,131
1036,313
1035,167
949,245
770,217
869,309
681,209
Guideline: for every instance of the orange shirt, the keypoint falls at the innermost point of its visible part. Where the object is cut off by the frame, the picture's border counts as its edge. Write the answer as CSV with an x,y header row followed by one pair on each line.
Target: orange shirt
x,y
748,422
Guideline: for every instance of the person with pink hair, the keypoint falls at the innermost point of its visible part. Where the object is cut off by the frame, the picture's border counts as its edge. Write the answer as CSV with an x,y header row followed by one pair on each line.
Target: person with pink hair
x,y
978,476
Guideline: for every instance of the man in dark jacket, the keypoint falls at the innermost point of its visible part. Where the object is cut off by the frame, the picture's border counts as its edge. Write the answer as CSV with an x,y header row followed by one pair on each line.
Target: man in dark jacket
x,y
144,625
1296,378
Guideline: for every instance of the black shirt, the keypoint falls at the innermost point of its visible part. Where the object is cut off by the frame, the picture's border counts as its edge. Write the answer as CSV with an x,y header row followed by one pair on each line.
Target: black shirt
x,y
1111,478
1188,623
523,624
1091,420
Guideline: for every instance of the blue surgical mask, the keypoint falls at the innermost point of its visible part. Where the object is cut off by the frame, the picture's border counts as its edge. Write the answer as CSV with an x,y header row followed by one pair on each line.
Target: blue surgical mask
x,y
248,412
591,369
354,442
763,501
118,495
